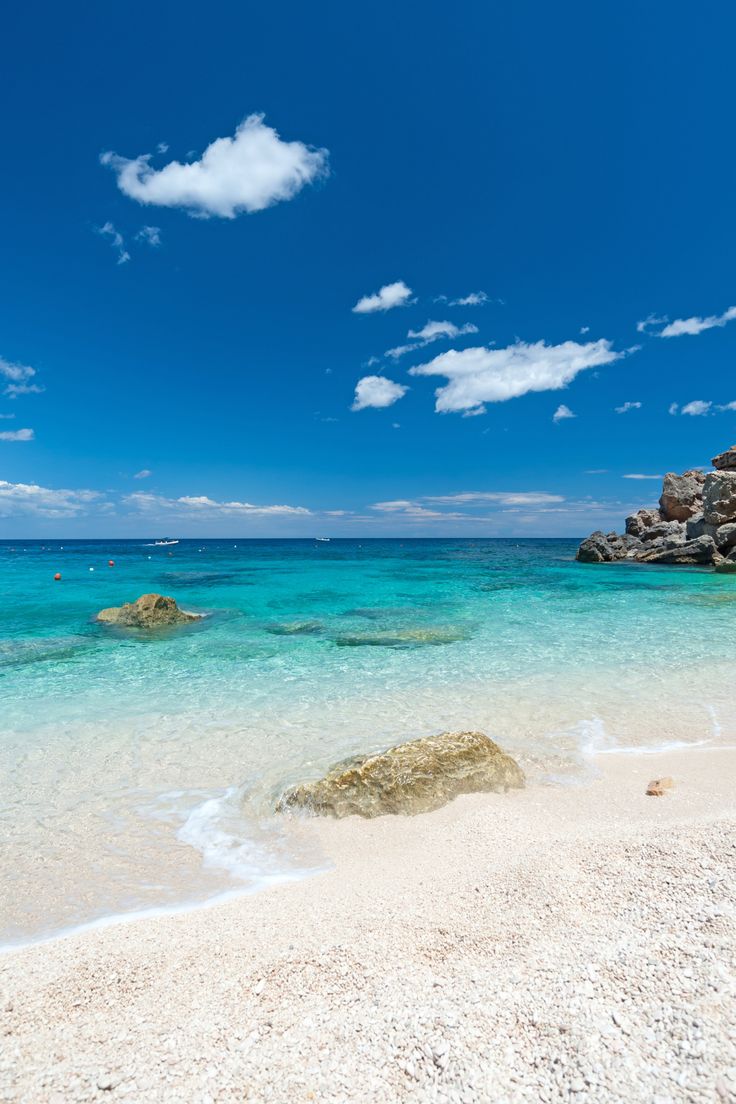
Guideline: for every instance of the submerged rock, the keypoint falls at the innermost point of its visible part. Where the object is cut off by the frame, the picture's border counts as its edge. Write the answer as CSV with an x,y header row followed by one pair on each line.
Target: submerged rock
x,y
296,628
401,638
411,778
150,611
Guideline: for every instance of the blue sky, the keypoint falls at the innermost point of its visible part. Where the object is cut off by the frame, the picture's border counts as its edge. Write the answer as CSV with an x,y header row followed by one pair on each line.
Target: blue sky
x,y
571,166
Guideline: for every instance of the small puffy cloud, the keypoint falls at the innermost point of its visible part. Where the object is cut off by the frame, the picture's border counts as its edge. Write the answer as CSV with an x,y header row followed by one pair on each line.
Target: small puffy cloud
x,y
673,408
650,322
562,412
474,299
117,241
245,173
433,331
627,406
187,505
151,235
18,376
15,372
144,473
697,407
728,406
17,435
481,375
397,351
584,329
386,298
637,475
162,147
697,325
377,391
29,498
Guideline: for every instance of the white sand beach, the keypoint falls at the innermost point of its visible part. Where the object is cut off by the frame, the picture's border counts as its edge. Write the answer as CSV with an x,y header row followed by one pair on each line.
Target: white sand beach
x,y
550,944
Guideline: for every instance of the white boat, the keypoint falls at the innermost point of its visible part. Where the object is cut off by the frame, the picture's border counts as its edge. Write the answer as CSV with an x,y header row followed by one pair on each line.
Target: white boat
x,y
163,543
323,538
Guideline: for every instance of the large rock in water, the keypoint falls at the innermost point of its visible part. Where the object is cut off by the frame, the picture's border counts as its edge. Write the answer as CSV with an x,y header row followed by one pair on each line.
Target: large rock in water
x,y
725,461
682,495
637,524
702,550
150,611
411,778
719,498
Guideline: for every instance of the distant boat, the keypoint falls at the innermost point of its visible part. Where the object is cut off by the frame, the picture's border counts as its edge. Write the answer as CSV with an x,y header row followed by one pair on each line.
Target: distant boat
x,y
323,538
162,543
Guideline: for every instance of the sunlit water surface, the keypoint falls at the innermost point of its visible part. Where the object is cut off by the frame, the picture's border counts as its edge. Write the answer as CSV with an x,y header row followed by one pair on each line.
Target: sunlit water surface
x,y
140,771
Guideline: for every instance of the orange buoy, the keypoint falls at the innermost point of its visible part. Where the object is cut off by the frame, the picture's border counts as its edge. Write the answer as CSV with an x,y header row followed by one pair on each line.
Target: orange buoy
x,y
57,577
110,563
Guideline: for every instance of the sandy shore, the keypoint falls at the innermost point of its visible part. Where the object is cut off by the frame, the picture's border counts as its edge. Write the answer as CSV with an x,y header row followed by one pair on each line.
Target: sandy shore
x,y
552,944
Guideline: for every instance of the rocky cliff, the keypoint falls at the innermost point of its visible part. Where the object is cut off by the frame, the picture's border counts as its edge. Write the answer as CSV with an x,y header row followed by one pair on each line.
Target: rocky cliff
x,y
695,523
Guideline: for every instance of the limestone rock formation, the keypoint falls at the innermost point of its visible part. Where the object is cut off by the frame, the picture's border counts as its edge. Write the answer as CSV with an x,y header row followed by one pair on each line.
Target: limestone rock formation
x,y
150,611
695,523
725,461
411,778
682,495
719,498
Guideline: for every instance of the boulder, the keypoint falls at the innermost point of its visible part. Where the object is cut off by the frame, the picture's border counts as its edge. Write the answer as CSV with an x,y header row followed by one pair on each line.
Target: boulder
x,y
725,537
596,549
638,523
725,461
682,495
150,611
719,498
697,526
702,550
412,778
668,530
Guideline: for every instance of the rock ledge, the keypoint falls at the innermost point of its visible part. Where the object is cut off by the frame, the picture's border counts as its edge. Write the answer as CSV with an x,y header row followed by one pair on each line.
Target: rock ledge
x,y
150,611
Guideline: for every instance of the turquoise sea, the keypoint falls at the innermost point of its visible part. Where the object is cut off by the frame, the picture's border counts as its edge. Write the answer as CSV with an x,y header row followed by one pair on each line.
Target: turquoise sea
x,y
139,771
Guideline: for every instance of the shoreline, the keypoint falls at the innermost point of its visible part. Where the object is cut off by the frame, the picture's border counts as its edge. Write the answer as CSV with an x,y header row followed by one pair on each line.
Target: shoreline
x,y
418,921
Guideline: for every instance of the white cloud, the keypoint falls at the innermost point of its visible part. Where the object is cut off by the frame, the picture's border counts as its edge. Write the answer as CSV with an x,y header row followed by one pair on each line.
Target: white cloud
x,y
8,416
697,408
18,376
480,375
673,408
15,372
386,298
116,241
474,299
144,473
29,498
377,391
504,498
627,406
433,331
17,435
151,235
162,147
584,329
636,475
650,321
562,412
13,390
187,505
246,173
728,406
697,325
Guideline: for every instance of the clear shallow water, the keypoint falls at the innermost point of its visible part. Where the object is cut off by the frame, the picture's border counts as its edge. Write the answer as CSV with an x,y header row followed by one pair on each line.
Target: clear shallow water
x,y
140,771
